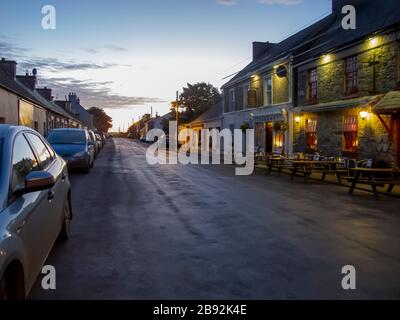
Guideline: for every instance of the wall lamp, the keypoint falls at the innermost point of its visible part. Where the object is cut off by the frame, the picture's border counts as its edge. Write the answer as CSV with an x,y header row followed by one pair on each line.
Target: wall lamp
x,y
364,115
297,119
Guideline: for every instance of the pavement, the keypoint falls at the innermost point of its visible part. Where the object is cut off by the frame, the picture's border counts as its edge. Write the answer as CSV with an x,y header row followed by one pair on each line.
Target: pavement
x,y
200,232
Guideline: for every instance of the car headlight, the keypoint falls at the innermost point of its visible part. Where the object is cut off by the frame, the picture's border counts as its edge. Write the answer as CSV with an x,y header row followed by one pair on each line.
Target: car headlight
x,y
81,154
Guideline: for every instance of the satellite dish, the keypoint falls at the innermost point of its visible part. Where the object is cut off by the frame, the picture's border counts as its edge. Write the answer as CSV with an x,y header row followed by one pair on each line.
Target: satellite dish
x,y
34,72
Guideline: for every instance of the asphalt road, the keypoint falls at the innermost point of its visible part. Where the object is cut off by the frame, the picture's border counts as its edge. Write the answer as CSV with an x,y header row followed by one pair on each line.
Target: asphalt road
x,y
199,232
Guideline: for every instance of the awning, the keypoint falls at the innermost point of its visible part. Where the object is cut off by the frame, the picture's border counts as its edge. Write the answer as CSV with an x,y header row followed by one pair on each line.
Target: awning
x,y
338,105
389,104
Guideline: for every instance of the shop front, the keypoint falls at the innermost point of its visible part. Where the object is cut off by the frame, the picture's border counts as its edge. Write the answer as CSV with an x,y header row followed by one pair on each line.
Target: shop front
x,y
270,133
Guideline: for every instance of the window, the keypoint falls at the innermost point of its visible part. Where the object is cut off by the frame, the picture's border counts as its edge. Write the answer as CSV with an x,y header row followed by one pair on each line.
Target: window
x,y
2,120
311,134
268,91
312,85
42,151
24,162
351,75
232,100
350,130
36,126
245,96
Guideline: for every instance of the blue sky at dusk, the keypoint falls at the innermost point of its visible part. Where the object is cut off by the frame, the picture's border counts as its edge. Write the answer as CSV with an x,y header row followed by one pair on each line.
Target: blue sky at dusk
x,y
126,56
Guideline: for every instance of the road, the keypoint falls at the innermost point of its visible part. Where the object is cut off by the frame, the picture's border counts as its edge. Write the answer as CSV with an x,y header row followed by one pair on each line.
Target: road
x,y
200,232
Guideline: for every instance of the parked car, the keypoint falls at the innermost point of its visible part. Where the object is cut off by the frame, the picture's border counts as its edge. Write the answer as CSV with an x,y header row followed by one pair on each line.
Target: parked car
x,y
35,207
99,141
93,139
75,146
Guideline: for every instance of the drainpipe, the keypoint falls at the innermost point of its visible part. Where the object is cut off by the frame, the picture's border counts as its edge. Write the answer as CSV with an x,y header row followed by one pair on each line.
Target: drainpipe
x,y
289,146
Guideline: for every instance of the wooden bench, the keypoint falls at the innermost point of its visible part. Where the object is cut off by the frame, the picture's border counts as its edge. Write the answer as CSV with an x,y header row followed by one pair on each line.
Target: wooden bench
x,y
374,177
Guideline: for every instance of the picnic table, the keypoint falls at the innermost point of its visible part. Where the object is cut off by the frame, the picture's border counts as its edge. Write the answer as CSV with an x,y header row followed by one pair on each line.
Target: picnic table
x,y
278,162
375,177
307,167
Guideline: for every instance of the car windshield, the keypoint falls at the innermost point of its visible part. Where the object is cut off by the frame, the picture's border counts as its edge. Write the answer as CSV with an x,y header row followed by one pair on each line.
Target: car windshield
x,y
67,137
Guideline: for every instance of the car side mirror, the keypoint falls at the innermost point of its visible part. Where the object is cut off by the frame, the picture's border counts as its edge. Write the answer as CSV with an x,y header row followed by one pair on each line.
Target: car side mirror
x,y
38,180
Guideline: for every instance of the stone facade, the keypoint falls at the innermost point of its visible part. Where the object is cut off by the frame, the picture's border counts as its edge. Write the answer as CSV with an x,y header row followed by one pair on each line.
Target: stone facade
x,y
378,73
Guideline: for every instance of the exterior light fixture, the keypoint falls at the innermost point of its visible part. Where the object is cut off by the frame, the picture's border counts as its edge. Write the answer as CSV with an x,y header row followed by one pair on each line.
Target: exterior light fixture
x,y
373,42
363,115
297,119
327,58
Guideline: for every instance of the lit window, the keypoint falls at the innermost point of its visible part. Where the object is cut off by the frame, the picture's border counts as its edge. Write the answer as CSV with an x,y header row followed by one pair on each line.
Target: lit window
x,y
311,134
350,130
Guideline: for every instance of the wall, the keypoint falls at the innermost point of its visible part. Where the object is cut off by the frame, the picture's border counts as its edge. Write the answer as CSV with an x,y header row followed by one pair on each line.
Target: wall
x,y
9,107
331,75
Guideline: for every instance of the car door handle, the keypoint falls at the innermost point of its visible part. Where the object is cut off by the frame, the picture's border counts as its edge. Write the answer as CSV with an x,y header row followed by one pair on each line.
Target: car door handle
x,y
51,195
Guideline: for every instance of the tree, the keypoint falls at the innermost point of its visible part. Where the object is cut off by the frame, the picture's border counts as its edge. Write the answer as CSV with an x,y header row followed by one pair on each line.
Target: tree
x,y
101,120
197,99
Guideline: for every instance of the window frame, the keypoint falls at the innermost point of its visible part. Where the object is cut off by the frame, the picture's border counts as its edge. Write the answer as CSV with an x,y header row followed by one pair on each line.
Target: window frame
x,y
232,100
350,130
267,92
311,134
351,75
312,84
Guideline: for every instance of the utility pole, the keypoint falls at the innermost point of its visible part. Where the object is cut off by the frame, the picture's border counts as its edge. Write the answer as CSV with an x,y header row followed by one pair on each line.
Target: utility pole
x,y
177,108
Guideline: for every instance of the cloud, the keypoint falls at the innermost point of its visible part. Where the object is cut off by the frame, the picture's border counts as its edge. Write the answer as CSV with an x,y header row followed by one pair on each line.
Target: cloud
x,y
284,2
56,65
227,2
115,48
90,50
93,93
8,49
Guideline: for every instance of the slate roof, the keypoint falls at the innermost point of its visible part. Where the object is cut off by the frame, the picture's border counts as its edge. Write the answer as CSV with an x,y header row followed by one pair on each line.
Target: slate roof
x,y
21,90
327,34
213,113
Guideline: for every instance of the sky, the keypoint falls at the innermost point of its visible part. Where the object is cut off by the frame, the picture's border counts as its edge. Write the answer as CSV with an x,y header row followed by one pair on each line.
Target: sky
x,y
129,56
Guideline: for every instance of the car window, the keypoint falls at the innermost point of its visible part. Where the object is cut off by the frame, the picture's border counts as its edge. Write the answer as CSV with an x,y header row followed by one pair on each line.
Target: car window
x,y
42,151
23,162
66,137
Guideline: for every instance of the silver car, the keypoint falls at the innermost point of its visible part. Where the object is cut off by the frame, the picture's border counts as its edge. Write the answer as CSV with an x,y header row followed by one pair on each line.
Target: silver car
x,y
35,207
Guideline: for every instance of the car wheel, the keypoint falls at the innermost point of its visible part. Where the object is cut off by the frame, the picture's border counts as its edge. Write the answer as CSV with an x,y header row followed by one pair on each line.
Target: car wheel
x,y
66,226
12,285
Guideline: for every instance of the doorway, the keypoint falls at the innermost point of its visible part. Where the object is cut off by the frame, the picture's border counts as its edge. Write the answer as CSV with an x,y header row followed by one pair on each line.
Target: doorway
x,y
397,138
269,135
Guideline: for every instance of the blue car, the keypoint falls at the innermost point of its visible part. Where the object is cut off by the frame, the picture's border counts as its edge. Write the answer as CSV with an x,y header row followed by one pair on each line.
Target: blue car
x,y
75,146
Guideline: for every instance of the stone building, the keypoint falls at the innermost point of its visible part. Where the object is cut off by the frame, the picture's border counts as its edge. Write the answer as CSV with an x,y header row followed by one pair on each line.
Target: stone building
x,y
342,79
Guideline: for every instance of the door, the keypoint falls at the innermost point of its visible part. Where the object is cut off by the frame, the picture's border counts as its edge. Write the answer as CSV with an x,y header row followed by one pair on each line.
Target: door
x,y
57,194
269,135
30,210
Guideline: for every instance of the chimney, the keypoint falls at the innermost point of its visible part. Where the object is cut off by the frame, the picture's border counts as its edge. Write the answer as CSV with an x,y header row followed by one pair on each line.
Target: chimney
x,y
45,93
9,67
28,80
260,48
72,97
337,5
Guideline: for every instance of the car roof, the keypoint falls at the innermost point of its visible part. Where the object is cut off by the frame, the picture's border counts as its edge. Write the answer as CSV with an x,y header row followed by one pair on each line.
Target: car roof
x,y
7,130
